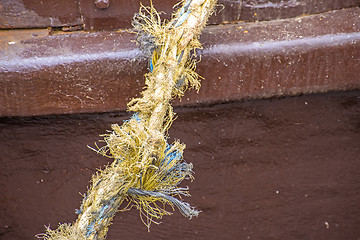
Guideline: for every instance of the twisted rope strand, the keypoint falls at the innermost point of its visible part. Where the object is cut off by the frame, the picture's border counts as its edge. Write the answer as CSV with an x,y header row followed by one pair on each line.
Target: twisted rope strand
x,y
146,169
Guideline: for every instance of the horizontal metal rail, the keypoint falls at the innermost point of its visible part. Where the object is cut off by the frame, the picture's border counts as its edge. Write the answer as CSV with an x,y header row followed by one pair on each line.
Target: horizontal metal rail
x,y
43,73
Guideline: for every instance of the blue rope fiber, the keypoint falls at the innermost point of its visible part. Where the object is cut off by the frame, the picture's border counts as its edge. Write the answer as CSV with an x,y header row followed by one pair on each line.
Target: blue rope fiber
x,y
184,207
185,7
108,208
182,19
151,66
106,211
180,56
136,117
184,13
170,156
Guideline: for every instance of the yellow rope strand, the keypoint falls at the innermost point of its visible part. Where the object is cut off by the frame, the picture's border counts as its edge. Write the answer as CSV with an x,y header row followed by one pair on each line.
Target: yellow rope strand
x,y
146,169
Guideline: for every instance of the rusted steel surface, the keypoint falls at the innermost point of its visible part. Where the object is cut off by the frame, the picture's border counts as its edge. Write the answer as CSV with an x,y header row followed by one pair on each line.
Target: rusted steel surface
x,y
260,10
71,73
264,169
95,72
291,56
116,14
38,14
119,13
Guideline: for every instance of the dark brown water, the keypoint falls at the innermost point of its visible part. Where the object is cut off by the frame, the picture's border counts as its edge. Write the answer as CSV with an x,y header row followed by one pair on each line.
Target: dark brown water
x,y
264,169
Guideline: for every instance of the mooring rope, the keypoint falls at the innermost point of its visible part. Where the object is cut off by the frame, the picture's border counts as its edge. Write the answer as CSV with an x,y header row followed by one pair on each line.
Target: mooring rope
x,y
146,170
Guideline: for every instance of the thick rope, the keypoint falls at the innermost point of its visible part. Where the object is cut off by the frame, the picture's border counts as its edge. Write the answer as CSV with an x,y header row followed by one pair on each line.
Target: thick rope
x,y
146,170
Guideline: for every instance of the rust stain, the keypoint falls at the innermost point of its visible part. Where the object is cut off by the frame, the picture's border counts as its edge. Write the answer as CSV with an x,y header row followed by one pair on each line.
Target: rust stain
x,y
278,162
297,56
118,14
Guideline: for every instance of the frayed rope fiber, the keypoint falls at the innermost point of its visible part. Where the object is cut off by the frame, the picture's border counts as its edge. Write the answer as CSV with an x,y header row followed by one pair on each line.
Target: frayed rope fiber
x,y
147,170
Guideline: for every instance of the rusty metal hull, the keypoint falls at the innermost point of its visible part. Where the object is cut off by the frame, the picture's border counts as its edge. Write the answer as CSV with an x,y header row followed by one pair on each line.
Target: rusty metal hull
x,y
270,162
264,169
94,72
118,14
